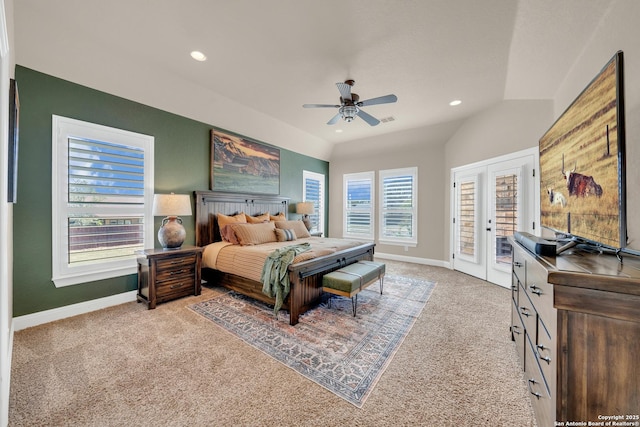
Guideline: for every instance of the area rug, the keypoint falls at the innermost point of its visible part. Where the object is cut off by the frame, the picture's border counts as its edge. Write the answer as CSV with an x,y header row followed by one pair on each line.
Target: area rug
x,y
344,354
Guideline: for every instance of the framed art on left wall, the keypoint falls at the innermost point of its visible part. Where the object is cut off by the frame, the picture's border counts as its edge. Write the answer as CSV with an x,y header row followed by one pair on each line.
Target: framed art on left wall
x,y
14,115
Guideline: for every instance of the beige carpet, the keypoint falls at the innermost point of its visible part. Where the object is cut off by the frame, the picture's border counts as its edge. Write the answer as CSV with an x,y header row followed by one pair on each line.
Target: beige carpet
x,y
126,366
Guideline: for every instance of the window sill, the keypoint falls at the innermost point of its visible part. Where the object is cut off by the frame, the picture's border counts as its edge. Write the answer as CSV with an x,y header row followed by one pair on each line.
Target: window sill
x,y
78,278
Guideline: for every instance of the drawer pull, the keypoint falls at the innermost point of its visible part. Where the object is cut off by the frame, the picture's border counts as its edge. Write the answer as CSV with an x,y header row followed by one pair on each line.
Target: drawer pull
x,y
173,273
536,290
517,264
179,285
535,393
546,359
515,330
525,311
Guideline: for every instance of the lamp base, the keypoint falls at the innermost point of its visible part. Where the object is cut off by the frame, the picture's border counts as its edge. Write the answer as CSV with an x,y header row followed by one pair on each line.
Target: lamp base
x,y
307,222
171,234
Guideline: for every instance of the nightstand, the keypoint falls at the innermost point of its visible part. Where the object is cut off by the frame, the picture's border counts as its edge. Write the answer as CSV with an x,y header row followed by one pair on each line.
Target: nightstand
x,y
167,274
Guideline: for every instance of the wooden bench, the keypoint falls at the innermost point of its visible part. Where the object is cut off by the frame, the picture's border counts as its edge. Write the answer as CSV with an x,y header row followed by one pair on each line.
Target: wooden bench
x,y
348,281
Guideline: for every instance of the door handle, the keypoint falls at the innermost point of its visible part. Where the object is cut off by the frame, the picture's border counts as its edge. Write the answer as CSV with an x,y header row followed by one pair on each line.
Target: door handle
x,y
489,229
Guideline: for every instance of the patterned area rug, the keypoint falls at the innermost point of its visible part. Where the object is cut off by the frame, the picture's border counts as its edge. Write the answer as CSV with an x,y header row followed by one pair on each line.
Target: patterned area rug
x,y
345,354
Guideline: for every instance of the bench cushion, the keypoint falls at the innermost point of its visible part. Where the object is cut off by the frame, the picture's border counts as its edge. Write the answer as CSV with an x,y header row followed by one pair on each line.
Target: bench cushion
x,y
343,281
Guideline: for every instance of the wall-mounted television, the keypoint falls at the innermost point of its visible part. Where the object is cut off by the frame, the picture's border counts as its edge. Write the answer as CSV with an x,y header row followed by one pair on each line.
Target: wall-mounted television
x,y
582,165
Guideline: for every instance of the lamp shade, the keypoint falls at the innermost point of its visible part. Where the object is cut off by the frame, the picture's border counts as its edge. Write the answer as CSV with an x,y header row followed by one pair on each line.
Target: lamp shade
x,y
171,205
304,208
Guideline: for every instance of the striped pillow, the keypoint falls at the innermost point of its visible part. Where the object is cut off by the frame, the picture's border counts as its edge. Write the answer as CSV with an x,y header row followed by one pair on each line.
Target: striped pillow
x,y
298,227
285,234
254,234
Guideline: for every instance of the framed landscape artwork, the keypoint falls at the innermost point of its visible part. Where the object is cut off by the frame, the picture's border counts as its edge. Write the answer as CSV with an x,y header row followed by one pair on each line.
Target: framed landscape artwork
x,y
243,165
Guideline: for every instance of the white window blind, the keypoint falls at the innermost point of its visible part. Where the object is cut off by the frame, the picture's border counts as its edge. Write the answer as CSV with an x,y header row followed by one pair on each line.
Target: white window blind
x,y
102,193
313,191
398,208
358,205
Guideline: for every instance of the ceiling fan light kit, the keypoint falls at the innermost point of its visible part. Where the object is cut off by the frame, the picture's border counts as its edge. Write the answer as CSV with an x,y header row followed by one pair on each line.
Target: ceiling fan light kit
x,y
350,105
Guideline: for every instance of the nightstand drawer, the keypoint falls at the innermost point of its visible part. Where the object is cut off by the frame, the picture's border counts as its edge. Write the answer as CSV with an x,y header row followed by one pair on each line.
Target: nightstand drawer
x,y
179,273
177,286
176,263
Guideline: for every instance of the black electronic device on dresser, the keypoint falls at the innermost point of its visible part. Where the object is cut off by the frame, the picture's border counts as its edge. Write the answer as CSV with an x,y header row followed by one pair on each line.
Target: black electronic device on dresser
x,y
576,325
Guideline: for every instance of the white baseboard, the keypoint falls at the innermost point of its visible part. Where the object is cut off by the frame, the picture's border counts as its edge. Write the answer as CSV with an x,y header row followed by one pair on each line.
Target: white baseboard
x,y
415,260
35,319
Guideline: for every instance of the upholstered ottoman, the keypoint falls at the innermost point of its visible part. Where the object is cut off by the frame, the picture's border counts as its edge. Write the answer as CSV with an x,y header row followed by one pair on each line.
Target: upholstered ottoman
x,y
348,281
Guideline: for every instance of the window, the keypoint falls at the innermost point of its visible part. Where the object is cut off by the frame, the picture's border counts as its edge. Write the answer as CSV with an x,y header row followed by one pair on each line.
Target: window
x,y
358,205
399,206
102,193
313,191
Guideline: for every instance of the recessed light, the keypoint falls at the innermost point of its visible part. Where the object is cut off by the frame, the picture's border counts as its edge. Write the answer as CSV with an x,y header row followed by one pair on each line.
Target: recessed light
x,y
455,102
338,130
198,56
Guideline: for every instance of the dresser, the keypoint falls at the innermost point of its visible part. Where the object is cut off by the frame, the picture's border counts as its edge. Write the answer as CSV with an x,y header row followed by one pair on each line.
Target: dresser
x,y
575,320
167,274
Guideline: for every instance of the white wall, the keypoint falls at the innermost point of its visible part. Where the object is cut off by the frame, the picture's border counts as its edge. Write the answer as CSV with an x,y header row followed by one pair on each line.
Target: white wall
x,y
424,148
619,30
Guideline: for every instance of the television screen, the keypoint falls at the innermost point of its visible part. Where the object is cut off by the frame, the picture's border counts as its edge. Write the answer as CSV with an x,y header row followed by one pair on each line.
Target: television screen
x,y
582,177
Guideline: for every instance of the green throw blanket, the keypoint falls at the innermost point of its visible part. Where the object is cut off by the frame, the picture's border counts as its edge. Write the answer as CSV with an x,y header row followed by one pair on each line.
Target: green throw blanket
x,y
275,276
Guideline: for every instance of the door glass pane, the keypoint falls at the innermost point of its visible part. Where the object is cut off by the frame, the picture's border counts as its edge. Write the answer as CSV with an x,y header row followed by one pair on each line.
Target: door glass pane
x,y
506,215
467,219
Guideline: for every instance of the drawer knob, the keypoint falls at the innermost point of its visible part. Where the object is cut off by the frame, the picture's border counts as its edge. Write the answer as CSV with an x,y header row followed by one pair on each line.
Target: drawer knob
x,y
515,330
546,359
525,311
535,393
517,264
536,290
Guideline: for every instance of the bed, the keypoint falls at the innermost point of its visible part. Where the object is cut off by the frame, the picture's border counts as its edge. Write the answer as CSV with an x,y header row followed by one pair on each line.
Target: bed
x,y
305,276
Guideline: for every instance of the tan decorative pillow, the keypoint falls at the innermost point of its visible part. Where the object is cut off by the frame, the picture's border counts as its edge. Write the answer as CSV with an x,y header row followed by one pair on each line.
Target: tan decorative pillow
x,y
285,235
226,219
298,227
254,234
258,218
279,217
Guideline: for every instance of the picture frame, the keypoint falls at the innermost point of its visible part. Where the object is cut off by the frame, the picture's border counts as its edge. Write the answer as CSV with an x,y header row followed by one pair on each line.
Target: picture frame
x,y
241,164
14,119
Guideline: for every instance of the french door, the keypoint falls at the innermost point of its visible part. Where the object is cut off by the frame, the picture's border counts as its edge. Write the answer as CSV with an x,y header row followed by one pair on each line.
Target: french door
x,y
491,201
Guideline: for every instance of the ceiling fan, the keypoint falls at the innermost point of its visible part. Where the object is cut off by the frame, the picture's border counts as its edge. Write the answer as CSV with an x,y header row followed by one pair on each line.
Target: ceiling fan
x,y
350,105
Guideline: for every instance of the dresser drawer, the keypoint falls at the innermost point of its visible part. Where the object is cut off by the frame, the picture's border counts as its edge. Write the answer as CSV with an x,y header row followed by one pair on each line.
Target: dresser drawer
x,y
545,352
538,389
518,333
527,312
519,264
539,291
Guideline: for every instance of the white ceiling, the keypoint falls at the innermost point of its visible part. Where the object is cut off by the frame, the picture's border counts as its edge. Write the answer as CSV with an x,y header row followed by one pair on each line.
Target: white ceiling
x,y
273,56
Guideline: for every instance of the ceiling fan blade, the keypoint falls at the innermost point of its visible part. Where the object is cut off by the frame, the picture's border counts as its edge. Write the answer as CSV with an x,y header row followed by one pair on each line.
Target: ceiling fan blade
x,y
345,90
334,119
320,106
368,118
379,100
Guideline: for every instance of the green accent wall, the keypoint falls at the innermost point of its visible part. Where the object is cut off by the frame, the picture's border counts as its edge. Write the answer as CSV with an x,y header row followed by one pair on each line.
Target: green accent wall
x,y
181,165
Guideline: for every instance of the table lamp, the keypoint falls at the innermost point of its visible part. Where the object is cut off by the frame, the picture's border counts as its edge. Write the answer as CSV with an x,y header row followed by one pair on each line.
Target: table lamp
x,y
171,233
305,209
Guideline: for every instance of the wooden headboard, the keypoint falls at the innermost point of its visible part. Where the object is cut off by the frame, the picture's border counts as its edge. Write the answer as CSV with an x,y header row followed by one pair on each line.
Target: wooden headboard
x,y
210,203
